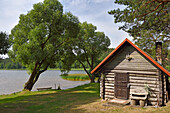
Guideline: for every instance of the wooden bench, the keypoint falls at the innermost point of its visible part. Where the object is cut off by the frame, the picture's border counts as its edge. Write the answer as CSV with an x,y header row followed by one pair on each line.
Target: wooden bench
x,y
46,88
140,95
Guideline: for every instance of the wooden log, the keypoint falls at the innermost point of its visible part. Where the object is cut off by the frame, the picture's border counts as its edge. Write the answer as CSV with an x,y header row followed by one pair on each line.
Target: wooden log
x,y
134,68
143,81
109,81
143,75
113,70
109,93
145,72
143,78
109,84
109,87
110,74
143,85
108,78
109,96
109,90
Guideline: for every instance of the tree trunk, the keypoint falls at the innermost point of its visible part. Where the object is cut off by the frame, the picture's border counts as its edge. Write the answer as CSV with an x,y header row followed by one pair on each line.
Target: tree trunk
x,y
98,81
30,83
33,78
91,77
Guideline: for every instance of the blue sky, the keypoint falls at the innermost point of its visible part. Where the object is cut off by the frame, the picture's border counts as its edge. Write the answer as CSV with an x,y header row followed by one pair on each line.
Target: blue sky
x,y
92,11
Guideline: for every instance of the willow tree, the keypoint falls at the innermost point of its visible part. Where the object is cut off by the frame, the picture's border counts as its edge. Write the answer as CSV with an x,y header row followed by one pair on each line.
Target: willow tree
x,y
146,20
88,47
41,36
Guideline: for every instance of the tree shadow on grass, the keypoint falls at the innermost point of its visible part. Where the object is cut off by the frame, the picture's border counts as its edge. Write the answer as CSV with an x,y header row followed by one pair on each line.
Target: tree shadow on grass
x,y
64,101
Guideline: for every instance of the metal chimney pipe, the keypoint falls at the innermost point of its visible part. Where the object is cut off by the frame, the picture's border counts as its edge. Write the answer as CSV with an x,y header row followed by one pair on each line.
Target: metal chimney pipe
x,y
159,52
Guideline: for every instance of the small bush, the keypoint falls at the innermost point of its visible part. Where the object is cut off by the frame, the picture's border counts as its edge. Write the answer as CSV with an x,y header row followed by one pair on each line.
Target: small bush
x,y
64,74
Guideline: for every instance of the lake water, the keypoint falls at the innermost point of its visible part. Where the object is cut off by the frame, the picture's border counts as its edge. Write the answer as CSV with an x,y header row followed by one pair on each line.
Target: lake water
x,y
13,80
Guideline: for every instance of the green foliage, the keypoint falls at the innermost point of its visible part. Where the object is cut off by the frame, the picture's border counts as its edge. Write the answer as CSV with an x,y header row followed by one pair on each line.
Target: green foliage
x,y
88,47
168,67
167,61
42,37
41,34
4,43
8,64
94,43
147,21
75,77
103,55
75,65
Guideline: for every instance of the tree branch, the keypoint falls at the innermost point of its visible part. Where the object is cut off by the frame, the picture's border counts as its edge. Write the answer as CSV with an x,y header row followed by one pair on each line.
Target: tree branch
x,y
92,62
162,0
87,57
85,69
43,44
146,3
151,10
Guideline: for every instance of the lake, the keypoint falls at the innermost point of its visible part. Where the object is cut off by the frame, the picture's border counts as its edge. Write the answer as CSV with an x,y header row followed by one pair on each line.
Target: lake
x,y
13,80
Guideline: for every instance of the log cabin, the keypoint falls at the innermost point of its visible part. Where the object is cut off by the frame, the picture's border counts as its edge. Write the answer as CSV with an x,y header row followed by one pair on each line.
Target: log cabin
x,y
128,68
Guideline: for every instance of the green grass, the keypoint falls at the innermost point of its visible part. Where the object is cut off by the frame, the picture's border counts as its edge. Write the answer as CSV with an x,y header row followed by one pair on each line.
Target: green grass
x,y
51,101
82,99
75,77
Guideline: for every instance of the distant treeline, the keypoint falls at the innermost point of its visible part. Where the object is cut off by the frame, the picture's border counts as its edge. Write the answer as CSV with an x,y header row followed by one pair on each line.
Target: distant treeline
x,y
8,64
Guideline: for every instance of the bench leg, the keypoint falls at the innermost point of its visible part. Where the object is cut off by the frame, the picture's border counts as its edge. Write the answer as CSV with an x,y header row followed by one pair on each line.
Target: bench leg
x,y
133,102
142,103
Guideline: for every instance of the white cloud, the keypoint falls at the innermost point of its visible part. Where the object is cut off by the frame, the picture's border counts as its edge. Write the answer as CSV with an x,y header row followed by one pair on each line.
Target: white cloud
x,y
10,11
96,12
77,2
100,1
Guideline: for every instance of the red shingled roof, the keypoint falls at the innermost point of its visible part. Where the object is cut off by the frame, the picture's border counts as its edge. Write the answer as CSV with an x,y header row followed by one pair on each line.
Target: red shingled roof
x,y
98,67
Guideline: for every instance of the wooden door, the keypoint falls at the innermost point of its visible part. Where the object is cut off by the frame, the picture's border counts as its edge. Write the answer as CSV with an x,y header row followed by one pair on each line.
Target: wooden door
x,y
121,83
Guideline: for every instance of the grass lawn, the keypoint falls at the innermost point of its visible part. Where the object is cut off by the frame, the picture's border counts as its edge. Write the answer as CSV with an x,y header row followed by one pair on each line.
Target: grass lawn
x,y
76,100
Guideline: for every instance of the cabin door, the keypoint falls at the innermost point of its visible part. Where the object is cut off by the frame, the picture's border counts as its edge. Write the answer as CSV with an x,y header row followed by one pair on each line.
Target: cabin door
x,y
121,85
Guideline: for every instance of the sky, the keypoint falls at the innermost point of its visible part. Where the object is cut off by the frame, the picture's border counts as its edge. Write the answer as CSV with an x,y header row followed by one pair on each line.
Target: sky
x,y
92,11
